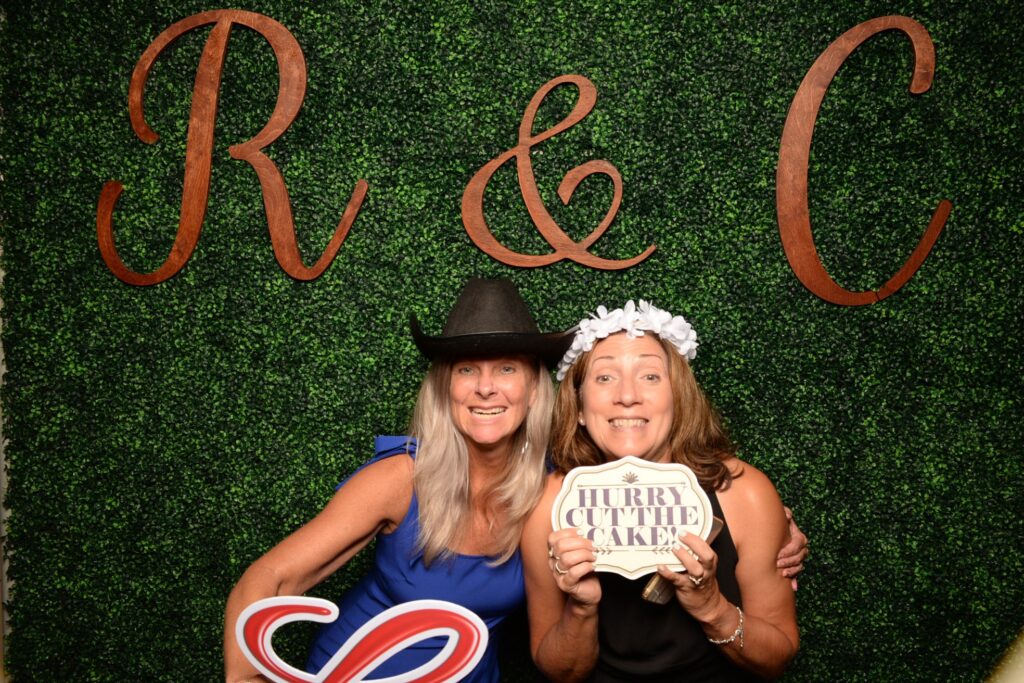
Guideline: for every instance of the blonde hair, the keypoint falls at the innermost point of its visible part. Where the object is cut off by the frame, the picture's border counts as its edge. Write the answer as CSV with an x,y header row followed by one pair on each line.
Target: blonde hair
x,y
441,473
697,438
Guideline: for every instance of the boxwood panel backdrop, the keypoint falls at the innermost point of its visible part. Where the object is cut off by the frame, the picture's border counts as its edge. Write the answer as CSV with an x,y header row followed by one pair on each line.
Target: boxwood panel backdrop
x,y
160,438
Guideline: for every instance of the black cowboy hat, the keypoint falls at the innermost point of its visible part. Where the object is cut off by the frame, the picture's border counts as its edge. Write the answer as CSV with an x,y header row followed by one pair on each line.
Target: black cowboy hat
x,y
490,318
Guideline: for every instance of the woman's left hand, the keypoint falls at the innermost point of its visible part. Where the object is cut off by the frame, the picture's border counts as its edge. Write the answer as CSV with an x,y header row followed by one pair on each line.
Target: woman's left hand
x,y
697,587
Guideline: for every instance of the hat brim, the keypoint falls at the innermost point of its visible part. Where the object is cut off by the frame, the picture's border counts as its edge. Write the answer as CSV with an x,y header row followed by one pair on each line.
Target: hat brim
x,y
548,347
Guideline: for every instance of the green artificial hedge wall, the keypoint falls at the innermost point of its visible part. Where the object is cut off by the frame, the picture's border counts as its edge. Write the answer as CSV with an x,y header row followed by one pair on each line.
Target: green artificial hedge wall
x,y
161,438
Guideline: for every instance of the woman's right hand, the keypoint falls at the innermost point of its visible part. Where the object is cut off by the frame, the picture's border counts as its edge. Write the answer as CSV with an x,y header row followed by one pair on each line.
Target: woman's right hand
x,y
562,593
571,559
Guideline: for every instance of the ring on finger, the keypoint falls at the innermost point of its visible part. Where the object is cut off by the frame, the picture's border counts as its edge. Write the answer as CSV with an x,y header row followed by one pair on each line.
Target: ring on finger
x,y
696,580
558,568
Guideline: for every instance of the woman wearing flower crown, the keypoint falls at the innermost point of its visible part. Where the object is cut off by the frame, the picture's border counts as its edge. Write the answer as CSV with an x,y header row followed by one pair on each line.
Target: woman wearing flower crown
x,y
627,389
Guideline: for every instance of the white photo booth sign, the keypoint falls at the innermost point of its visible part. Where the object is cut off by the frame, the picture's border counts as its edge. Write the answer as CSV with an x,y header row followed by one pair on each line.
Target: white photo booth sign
x,y
634,512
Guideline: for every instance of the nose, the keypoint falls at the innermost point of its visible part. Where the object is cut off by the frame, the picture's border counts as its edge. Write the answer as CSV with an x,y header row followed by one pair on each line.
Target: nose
x,y
627,395
485,384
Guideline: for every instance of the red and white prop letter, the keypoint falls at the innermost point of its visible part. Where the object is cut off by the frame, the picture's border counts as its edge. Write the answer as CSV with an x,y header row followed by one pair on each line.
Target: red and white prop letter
x,y
377,640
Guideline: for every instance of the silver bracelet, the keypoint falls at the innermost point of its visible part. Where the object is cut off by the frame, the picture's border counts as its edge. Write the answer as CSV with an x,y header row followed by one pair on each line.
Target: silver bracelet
x,y
738,633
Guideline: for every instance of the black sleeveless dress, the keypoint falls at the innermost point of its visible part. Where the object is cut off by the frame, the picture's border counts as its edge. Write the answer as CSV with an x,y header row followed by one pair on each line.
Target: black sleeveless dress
x,y
641,642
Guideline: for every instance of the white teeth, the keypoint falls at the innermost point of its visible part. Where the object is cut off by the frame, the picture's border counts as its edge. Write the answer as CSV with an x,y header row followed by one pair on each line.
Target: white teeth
x,y
489,411
622,423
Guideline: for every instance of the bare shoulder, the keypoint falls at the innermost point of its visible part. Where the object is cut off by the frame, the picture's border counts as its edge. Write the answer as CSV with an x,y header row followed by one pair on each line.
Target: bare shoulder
x,y
392,475
752,507
749,485
398,467
552,487
533,543
540,517
385,486
553,484
374,500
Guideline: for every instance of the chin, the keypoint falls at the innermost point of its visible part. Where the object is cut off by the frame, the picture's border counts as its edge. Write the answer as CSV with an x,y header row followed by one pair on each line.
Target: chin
x,y
641,453
488,439
631,450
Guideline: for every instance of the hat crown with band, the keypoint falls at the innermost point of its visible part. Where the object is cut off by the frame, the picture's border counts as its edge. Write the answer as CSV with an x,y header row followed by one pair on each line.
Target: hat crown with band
x,y
489,307
490,318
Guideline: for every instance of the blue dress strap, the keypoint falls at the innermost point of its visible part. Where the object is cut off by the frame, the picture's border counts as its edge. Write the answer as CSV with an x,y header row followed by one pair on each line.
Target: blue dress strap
x,y
385,446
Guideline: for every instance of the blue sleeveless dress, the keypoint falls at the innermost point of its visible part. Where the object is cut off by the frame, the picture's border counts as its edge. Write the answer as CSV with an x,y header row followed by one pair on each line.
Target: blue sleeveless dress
x,y
399,575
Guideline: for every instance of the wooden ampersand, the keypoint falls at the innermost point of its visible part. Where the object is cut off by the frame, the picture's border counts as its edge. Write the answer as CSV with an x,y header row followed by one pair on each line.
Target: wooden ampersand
x,y
564,247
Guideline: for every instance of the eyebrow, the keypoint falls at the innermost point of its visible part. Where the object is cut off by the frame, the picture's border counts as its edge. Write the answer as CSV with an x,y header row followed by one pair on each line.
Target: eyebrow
x,y
642,355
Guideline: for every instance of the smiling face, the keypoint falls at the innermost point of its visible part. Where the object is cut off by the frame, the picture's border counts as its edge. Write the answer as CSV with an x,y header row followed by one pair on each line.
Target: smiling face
x,y
626,397
490,398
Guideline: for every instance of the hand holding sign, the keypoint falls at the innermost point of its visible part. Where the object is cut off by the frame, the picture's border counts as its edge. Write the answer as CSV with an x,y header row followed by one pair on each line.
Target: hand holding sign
x,y
377,640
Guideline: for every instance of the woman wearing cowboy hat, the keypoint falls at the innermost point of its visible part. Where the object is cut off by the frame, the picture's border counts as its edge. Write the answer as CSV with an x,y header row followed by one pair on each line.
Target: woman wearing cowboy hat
x,y
447,505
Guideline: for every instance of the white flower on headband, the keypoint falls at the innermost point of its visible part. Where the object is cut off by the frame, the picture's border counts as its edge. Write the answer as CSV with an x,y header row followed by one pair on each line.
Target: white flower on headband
x,y
634,321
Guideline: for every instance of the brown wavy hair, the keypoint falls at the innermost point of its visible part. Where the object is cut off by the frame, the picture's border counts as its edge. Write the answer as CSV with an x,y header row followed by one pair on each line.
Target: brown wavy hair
x,y
697,437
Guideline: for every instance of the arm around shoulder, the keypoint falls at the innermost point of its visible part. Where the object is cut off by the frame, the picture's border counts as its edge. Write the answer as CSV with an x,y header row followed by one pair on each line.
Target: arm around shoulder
x,y
373,500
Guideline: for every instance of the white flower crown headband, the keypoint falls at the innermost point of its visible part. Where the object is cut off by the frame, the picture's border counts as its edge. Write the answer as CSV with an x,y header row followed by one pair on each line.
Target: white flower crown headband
x,y
634,321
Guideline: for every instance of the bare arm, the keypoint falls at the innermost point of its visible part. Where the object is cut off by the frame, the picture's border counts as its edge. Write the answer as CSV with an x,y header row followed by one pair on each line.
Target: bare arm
x,y
561,605
374,500
758,526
